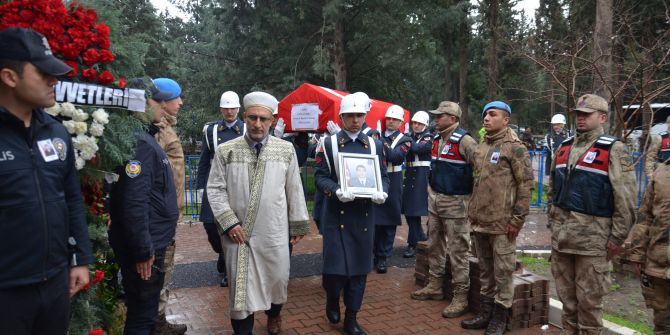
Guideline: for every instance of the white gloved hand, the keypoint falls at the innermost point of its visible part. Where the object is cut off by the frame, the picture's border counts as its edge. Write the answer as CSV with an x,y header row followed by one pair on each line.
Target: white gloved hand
x,y
333,128
344,196
379,197
279,128
199,193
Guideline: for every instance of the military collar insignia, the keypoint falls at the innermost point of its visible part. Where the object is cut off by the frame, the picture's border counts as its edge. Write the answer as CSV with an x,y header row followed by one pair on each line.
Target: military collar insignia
x,y
237,128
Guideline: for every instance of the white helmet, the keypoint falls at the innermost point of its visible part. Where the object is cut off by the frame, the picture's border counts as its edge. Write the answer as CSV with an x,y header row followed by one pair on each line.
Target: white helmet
x,y
395,112
421,117
354,103
229,99
558,118
365,99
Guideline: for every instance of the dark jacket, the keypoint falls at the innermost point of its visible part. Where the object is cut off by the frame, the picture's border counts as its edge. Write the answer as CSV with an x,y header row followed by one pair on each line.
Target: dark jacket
x,y
40,202
144,208
396,148
415,186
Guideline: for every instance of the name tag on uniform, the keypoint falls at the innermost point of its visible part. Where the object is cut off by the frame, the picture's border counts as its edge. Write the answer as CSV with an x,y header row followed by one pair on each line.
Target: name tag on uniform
x,y
446,148
47,150
495,157
590,157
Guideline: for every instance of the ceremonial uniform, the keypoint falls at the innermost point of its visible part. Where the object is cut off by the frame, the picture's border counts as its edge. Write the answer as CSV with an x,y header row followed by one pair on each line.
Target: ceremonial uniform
x,y
415,185
387,216
651,247
593,204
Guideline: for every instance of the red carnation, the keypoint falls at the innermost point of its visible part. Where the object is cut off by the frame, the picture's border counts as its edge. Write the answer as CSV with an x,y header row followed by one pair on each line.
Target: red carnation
x,y
106,78
102,29
90,74
96,332
91,57
106,56
98,277
122,82
104,43
70,51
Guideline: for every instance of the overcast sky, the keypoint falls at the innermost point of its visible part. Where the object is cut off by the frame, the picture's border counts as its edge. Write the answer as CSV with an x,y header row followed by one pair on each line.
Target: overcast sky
x,y
528,6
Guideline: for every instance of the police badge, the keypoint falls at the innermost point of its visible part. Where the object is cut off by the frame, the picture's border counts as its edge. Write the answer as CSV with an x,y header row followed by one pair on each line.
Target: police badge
x,y
133,168
61,148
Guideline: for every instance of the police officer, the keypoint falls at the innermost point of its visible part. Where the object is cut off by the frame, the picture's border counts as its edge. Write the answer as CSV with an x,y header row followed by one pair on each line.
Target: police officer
x,y
593,208
396,147
44,244
347,222
450,187
144,214
215,133
503,180
658,151
415,186
650,249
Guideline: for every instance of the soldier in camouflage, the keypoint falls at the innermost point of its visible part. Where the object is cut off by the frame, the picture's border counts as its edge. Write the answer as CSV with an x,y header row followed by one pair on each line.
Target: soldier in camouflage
x,y
503,181
658,150
593,208
449,190
650,247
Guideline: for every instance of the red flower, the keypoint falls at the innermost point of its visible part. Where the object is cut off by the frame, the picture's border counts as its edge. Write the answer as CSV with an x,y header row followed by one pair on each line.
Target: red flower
x,y
75,68
122,82
90,74
102,29
106,78
104,43
106,56
96,332
70,51
91,57
98,277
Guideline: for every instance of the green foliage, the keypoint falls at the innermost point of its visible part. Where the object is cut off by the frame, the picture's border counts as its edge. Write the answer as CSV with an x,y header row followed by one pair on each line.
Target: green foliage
x,y
118,144
636,326
535,264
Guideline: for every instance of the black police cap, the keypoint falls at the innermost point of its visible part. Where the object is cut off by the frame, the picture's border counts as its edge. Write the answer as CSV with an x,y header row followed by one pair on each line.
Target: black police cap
x,y
22,44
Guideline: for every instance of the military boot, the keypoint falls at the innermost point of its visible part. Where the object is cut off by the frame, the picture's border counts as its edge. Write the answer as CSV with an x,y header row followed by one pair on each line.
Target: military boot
x,y
498,323
351,326
481,320
163,327
333,309
381,265
458,306
432,291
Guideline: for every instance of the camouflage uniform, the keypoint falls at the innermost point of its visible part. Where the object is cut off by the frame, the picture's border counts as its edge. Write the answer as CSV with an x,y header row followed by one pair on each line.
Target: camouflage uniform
x,y
651,247
652,154
579,241
168,140
501,197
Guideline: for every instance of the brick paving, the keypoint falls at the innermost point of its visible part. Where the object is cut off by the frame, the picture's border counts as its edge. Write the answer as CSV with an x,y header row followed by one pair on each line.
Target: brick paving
x,y
387,308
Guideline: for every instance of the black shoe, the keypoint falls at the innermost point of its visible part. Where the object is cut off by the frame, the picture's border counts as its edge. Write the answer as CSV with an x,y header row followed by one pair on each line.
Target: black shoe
x,y
410,252
498,323
221,264
333,310
481,320
351,326
224,281
381,265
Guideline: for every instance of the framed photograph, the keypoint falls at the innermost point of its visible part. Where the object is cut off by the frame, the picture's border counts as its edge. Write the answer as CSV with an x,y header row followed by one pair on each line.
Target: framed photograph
x,y
359,174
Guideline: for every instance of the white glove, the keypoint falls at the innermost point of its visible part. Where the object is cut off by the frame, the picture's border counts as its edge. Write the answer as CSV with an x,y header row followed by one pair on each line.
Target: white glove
x,y
279,128
333,128
379,197
199,193
344,196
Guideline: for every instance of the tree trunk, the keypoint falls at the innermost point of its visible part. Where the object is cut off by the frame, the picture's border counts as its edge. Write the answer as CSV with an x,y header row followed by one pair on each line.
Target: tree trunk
x,y
462,79
340,60
448,92
493,49
602,49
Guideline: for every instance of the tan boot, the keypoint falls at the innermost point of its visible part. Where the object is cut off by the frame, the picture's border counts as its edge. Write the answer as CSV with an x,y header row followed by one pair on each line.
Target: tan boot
x,y
457,307
432,291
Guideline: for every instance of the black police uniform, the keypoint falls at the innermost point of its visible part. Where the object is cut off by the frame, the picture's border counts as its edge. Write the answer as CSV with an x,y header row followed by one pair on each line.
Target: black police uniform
x,y
209,144
41,207
415,187
144,214
387,215
347,228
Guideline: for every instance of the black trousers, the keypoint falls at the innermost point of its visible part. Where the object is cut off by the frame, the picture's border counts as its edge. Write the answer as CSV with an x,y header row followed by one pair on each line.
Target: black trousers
x,y
42,308
384,237
142,296
353,287
246,326
213,236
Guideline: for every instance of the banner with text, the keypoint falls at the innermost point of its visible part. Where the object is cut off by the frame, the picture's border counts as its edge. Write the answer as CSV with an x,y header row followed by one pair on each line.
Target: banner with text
x,y
95,95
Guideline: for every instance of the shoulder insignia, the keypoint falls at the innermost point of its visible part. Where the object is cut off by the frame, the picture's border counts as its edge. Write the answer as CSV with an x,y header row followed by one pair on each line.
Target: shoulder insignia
x,y
133,168
61,147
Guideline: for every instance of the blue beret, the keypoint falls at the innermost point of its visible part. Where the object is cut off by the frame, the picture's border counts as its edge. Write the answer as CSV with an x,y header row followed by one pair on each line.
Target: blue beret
x,y
497,105
168,85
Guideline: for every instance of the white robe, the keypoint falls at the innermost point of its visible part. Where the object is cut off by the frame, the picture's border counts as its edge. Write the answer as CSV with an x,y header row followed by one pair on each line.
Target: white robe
x,y
265,195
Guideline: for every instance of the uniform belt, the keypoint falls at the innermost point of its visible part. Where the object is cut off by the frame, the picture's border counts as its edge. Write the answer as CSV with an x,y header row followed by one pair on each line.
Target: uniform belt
x,y
417,164
397,168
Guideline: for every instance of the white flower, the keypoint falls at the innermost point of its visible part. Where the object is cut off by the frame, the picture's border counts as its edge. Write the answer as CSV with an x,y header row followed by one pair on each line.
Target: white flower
x,y
79,163
86,146
69,125
80,116
96,129
100,116
68,109
53,110
80,127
